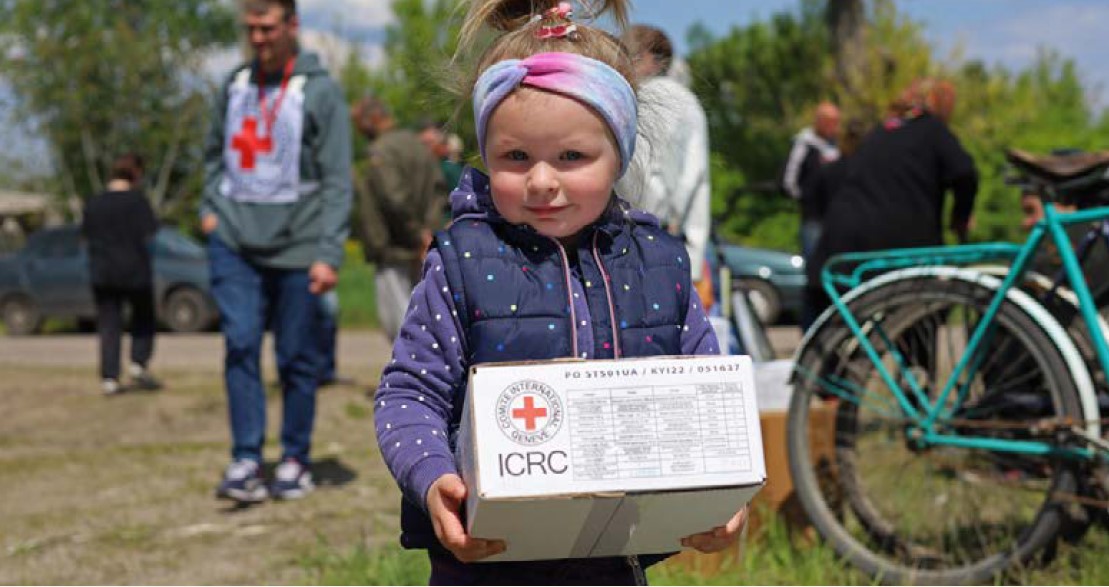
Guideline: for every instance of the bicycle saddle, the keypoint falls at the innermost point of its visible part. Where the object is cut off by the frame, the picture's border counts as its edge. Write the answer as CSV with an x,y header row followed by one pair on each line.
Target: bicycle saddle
x,y
1058,167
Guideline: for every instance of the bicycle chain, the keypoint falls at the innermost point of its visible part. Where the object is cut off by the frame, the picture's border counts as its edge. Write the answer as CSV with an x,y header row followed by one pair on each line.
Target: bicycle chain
x,y
1044,426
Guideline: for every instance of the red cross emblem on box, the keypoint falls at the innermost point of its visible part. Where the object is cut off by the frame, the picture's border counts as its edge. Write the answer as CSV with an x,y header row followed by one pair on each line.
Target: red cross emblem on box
x,y
529,412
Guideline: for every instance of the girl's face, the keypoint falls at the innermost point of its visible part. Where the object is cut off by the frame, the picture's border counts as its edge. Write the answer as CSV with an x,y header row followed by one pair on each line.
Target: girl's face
x,y
552,162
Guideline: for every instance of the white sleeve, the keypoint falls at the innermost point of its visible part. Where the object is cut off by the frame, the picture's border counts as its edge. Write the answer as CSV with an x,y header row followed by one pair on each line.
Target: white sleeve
x,y
693,192
791,177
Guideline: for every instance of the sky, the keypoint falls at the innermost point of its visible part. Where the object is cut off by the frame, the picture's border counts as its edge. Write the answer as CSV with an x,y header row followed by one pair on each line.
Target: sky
x,y
1006,32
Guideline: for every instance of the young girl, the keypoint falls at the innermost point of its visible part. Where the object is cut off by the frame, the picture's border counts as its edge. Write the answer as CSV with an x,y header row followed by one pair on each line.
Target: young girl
x,y
541,262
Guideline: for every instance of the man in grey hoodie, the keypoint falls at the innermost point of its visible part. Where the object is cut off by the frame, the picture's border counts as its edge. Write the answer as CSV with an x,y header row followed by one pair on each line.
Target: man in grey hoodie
x,y
276,205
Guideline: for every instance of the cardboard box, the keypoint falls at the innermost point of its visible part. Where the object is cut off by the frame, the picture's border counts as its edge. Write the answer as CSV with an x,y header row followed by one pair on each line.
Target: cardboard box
x,y
572,459
778,498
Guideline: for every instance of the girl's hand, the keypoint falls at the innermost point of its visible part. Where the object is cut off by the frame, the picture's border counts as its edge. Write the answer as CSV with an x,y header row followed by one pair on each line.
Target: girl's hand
x,y
720,537
444,502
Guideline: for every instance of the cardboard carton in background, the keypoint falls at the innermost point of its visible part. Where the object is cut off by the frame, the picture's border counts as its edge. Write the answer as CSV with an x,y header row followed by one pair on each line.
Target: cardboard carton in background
x,y
778,498
571,459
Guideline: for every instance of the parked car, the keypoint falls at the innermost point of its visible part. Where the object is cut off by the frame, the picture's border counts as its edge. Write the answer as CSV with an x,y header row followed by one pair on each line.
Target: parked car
x,y
774,280
49,277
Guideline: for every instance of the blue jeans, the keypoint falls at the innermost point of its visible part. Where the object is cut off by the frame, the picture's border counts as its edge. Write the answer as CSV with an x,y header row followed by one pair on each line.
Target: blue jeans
x,y
250,297
328,331
813,302
810,237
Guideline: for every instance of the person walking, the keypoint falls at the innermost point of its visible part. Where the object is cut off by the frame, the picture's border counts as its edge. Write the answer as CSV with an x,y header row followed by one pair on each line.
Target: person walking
x,y
669,176
119,227
436,140
893,187
400,204
817,195
813,147
275,209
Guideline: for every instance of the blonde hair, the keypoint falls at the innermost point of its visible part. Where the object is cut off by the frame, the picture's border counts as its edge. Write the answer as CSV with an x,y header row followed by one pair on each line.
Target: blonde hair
x,y
517,38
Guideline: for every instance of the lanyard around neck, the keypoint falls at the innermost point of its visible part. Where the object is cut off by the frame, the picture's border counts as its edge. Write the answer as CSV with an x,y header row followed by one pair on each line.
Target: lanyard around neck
x,y
269,116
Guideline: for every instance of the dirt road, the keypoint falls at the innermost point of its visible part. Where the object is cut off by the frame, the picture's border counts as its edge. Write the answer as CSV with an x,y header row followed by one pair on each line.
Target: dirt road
x,y
119,490
101,490
204,351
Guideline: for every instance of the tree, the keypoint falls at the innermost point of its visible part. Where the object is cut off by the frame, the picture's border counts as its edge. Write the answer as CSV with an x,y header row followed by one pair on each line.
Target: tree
x,y
1041,108
417,76
760,83
757,85
846,21
98,77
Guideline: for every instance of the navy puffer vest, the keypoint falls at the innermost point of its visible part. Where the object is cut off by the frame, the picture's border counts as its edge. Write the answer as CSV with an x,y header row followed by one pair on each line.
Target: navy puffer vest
x,y
512,290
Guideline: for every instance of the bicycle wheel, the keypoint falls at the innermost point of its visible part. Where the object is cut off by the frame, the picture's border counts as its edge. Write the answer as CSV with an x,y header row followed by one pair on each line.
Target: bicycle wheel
x,y
1063,305
906,512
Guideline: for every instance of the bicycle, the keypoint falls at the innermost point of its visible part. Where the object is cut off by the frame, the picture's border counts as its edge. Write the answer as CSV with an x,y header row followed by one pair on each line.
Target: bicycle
x,y
742,332
967,424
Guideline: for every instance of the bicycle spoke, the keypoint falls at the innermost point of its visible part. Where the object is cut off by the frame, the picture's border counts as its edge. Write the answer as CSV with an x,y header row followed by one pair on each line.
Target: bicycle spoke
x,y
942,509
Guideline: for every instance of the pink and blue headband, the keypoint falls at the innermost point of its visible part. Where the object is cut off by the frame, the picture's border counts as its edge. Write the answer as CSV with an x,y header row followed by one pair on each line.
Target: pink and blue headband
x,y
585,79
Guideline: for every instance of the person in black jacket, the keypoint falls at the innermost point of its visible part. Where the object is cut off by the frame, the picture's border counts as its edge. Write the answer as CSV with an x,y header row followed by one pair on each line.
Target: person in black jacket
x,y
892,191
818,193
119,226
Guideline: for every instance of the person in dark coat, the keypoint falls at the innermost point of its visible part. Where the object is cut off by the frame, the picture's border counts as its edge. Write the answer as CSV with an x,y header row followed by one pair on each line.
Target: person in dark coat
x,y
818,193
400,205
119,226
893,187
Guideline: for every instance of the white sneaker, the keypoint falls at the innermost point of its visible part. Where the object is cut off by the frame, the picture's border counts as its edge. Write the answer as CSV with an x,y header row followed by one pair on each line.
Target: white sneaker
x,y
110,387
142,378
292,480
242,482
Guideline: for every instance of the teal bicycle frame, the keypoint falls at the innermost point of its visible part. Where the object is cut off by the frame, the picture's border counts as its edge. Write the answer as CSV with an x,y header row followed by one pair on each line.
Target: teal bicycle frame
x,y
1019,257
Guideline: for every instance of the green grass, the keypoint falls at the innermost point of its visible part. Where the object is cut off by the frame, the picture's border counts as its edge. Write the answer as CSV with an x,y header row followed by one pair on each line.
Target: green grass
x,y
361,565
357,295
770,557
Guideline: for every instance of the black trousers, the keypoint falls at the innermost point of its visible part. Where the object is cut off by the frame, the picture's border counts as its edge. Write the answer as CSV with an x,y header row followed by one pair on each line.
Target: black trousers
x,y
447,570
109,324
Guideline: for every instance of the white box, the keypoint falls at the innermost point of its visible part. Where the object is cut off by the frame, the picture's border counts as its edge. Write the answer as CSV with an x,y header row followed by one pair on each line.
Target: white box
x,y
572,459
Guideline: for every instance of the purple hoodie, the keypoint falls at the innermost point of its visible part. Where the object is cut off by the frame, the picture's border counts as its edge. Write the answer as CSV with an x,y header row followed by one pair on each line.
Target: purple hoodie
x,y
426,379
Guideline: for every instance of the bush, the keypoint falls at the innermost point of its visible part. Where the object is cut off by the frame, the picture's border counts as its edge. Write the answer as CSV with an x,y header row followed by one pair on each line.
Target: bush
x,y
357,296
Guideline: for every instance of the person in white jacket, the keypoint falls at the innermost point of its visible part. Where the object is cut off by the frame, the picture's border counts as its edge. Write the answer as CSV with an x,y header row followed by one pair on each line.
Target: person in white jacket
x,y
669,174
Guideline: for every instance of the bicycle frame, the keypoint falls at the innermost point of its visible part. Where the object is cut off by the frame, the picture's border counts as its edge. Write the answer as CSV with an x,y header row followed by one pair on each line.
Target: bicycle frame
x,y
1020,257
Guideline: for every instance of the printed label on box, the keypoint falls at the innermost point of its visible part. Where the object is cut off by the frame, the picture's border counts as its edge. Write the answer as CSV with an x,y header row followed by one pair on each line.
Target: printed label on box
x,y
615,426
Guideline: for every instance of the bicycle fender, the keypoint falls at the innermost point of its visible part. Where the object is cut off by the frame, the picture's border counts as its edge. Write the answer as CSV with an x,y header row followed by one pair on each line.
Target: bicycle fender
x,y
1054,330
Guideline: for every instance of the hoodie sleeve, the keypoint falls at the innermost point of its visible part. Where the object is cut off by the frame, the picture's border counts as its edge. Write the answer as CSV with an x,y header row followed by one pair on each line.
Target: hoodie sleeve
x,y
693,192
791,177
332,155
698,337
213,149
415,399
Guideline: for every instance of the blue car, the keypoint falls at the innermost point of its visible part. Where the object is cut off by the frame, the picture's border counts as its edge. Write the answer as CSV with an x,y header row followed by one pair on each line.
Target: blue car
x,y
774,280
49,277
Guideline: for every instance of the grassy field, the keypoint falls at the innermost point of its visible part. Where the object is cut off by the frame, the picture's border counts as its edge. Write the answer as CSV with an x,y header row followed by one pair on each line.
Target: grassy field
x,y
100,490
769,556
357,296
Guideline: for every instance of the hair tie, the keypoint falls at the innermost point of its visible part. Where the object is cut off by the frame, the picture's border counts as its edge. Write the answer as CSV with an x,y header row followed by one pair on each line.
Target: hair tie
x,y
589,81
556,24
